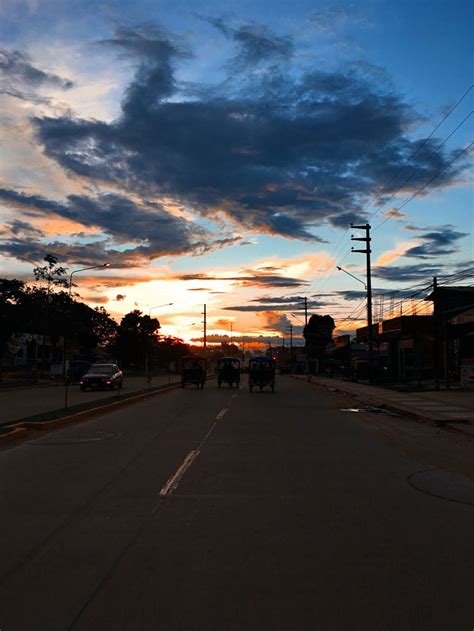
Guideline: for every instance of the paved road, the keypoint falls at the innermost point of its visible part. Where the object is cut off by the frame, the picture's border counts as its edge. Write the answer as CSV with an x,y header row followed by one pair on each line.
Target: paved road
x,y
288,515
16,404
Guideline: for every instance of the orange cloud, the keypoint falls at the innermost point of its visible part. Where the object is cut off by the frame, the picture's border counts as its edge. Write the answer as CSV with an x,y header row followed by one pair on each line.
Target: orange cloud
x,y
391,255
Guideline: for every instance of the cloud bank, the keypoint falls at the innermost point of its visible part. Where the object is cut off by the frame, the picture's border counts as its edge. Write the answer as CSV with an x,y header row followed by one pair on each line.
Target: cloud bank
x,y
274,147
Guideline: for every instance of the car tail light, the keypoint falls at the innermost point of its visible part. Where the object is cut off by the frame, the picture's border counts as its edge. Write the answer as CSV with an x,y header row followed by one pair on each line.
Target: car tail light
x,y
109,382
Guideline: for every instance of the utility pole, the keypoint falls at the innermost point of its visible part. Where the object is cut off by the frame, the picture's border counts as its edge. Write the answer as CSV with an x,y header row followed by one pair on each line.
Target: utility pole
x,y
367,251
290,328
436,334
205,328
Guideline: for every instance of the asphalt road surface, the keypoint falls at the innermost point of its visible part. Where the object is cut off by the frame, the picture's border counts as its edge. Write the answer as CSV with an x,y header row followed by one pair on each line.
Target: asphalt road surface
x,y
223,510
23,402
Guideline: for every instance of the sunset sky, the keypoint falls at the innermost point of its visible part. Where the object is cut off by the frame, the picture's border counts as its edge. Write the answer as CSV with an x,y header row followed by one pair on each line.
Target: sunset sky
x,y
217,153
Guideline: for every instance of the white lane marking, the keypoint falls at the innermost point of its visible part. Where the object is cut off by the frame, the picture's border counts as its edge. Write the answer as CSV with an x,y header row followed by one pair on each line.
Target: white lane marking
x,y
234,395
173,482
221,413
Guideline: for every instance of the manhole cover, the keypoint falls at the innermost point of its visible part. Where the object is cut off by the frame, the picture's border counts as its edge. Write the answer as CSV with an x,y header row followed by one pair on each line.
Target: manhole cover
x,y
443,485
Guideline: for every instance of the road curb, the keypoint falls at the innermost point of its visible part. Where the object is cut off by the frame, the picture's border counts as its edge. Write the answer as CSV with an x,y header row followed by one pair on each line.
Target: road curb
x,y
21,428
14,434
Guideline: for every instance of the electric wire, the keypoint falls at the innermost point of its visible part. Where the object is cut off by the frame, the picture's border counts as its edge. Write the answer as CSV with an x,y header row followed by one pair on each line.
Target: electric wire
x,y
415,171
440,172
321,282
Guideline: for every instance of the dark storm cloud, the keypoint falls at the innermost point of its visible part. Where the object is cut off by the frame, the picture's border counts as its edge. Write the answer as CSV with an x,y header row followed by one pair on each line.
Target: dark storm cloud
x,y
344,220
99,300
155,51
255,43
405,273
21,228
283,300
151,232
20,78
279,152
249,279
269,304
440,242
31,250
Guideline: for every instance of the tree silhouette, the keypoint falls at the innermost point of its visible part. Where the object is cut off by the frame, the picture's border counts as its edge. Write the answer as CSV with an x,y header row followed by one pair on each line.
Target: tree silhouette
x,y
317,335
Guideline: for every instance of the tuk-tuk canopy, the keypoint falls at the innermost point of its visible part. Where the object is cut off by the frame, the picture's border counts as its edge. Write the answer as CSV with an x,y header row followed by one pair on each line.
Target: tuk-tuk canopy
x,y
190,360
233,361
262,360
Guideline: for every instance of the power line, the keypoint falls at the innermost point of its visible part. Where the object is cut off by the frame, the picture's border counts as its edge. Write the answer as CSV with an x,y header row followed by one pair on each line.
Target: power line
x,y
440,172
413,173
326,278
422,145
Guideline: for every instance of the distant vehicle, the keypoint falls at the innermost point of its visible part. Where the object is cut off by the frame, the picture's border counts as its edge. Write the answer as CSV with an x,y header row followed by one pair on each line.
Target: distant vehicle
x,y
193,370
262,372
76,369
107,376
228,371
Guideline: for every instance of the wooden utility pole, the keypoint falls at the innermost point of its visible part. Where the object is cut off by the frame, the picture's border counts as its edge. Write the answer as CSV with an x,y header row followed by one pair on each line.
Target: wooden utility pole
x,y
436,333
367,251
290,326
205,328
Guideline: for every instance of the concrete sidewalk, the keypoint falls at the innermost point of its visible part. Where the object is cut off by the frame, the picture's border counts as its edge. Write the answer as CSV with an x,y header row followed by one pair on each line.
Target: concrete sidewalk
x,y
447,406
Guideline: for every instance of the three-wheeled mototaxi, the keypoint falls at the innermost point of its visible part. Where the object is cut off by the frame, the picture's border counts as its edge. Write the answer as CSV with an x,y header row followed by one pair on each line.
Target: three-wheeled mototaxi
x,y
193,370
228,371
262,372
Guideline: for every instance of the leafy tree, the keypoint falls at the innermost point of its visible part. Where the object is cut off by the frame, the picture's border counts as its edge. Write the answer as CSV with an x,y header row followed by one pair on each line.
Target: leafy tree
x,y
136,336
169,349
11,292
39,310
317,335
53,274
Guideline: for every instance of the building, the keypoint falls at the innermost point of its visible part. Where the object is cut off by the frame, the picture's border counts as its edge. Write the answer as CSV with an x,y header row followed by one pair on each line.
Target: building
x,y
453,312
30,350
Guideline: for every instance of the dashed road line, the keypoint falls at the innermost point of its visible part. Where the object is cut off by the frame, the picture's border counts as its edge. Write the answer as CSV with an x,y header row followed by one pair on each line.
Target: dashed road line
x,y
173,482
221,413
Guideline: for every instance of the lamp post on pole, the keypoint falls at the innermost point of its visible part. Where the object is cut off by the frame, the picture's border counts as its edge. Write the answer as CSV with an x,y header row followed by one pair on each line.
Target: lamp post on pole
x,y
147,376
76,271
349,274
84,269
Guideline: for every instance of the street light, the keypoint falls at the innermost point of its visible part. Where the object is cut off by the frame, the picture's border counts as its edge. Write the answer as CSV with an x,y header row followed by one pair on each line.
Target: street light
x,y
84,269
148,378
186,326
349,274
76,271
167,304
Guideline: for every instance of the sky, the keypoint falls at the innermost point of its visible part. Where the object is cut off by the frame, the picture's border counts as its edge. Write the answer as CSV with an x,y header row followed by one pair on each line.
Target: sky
x,y
217,154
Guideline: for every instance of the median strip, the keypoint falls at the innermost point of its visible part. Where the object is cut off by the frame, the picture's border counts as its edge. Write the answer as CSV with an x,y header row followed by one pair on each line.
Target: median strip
x,y
61,418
